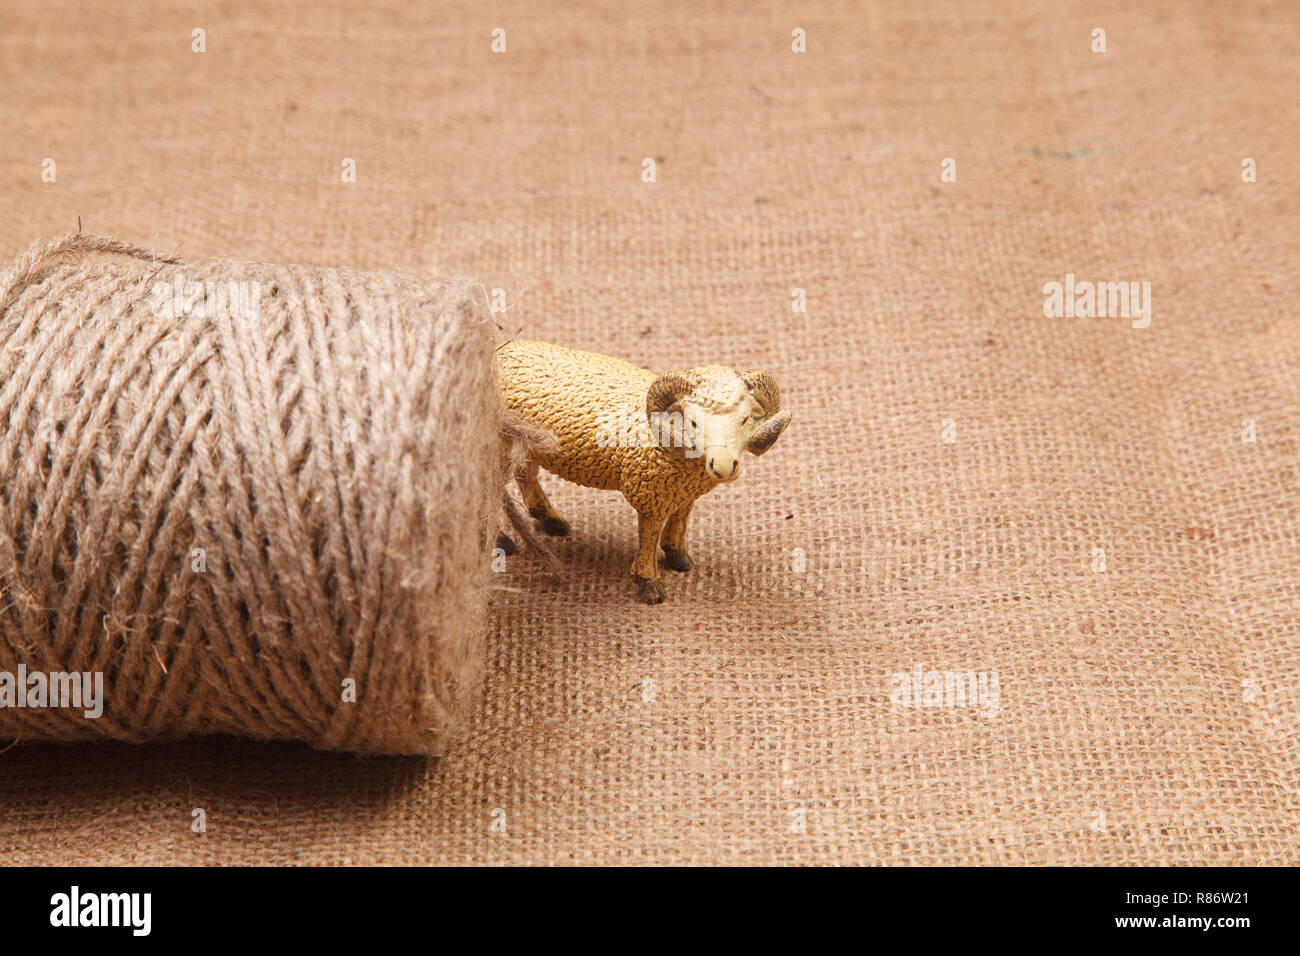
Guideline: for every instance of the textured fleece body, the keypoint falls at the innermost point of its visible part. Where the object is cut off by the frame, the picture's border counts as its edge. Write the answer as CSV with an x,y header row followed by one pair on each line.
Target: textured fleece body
x,y
580,396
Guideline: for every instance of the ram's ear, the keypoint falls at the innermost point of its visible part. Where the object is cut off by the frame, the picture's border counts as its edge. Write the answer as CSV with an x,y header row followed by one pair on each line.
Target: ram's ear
x,y
767,435
763,387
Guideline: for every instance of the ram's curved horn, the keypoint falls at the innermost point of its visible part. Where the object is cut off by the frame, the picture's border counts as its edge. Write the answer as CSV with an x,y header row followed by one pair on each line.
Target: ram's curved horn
x,y
664,391
763,387
766,436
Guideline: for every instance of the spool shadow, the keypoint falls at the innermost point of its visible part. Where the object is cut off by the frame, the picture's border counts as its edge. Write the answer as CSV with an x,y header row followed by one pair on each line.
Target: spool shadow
x,y
101,780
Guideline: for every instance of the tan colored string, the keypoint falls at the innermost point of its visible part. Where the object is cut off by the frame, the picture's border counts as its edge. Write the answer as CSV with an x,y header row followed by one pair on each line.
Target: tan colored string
x,y
237,505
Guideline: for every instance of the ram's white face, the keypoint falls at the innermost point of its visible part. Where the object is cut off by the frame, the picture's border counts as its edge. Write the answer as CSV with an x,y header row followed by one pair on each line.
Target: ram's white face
x,y
720,418
713,413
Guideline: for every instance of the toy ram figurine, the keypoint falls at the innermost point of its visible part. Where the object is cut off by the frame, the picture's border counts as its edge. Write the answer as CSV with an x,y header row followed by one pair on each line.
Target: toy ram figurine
x,y
661,440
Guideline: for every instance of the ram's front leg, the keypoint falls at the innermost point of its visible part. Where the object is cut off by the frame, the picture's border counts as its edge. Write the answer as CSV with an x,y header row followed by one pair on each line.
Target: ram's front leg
x,y
674,543
645,569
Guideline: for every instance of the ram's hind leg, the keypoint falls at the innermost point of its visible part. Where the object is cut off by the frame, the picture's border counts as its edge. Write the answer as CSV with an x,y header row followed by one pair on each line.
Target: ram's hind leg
x,y
674,543
539,507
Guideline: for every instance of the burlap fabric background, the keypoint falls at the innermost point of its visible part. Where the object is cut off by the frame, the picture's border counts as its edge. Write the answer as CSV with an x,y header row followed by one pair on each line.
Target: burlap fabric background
x,y
1147,712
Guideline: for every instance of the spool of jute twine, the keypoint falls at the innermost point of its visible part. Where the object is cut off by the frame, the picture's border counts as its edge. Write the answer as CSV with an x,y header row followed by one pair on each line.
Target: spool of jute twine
x,y
251,498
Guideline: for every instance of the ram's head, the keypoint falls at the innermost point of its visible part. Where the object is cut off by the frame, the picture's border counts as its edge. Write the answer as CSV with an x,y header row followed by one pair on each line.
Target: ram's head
x,y
713,413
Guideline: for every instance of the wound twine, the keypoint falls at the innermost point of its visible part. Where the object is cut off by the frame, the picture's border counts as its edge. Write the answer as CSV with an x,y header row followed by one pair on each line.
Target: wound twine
x,y
232,488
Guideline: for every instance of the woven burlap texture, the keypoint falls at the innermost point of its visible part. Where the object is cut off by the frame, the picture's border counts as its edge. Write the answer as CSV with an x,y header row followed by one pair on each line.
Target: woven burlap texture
x,y
1146,713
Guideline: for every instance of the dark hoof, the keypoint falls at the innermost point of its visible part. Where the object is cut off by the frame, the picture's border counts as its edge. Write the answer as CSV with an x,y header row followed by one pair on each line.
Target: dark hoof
x,y
649,591
551,524
678,560
507,544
